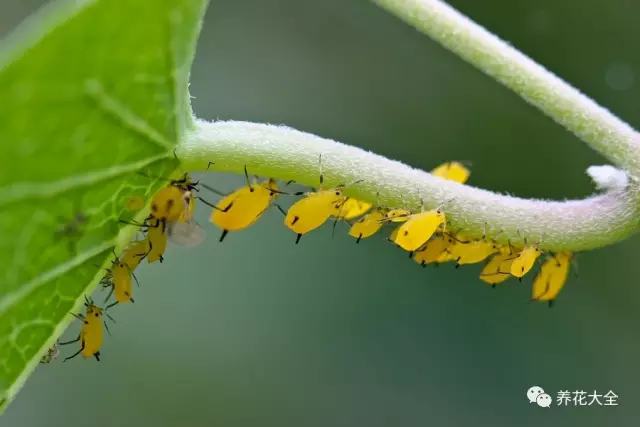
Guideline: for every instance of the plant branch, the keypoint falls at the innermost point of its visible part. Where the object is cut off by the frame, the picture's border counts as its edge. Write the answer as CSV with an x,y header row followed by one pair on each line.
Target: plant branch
x,y
595,125
285,153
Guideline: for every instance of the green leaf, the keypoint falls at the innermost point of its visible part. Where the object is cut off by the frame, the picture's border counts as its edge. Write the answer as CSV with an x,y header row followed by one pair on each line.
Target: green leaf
x,y
93,94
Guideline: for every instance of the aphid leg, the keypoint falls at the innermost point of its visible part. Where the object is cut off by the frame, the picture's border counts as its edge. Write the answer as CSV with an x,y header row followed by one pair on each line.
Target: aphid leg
x,y
75,354
359,238
223,235
550,303
69,342
298,238
97,355
209,164
110,293
333,227
135,278
113,304
107,328
110,317
282,211
137,224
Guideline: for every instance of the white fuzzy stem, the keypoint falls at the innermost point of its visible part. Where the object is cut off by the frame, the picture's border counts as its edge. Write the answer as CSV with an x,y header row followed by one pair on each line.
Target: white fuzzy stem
x,y
285,153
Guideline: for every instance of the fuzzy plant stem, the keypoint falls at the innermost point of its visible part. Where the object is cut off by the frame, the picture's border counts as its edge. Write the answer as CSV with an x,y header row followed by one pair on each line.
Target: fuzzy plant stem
x,y
288,154
603,131
571,225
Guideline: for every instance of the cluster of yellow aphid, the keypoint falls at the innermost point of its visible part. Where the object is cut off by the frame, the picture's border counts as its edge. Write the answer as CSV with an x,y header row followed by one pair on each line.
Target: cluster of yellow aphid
x,y
423,234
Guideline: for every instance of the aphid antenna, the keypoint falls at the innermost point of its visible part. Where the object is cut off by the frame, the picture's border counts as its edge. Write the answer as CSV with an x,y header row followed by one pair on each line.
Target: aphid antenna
x,y
77,316
213,190
209,164
211,205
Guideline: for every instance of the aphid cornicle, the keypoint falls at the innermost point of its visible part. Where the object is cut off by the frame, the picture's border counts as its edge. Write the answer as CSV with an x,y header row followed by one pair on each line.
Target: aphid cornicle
x,y
91,333
368,225
244,206
417,229
453,171
551,277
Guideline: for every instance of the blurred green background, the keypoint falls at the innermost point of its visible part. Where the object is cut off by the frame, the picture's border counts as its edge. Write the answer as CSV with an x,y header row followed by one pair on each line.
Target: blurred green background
x,y
259,331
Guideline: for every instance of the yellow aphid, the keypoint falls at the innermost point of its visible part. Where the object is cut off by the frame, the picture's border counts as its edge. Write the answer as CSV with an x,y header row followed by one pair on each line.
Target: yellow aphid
x,y
91,333
119,279
397,215
313,210
170,203
367,226
453,171
433,250
157,238
135,253
353,208
243,207
525,261
497,269
472,252
418,229
551,278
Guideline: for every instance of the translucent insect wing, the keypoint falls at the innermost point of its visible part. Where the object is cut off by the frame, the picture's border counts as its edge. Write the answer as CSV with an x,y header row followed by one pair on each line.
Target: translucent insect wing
x,y
188,234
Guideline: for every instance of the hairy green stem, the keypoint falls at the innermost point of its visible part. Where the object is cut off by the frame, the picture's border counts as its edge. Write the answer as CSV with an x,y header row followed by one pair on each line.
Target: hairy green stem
x,y
285,153
595,125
